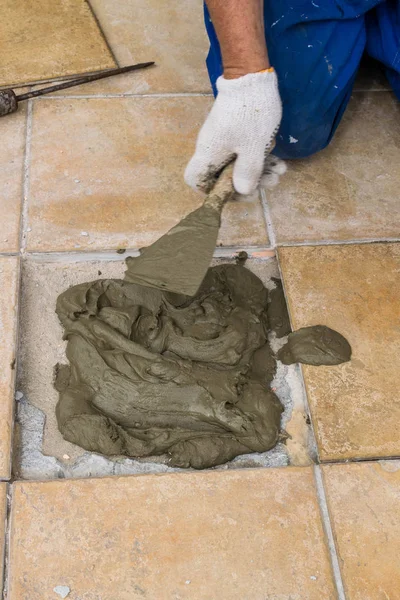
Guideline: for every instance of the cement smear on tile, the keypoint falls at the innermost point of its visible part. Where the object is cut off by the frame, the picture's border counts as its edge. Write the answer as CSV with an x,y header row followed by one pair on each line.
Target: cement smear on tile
x,y
43,453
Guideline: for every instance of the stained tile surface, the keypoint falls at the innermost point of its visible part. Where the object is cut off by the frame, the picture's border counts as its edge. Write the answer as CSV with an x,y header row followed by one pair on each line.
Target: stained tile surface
x,y
350,190
44,39
206,535
355,290
50,39
115,178
8,317
364,503
12,134
170,33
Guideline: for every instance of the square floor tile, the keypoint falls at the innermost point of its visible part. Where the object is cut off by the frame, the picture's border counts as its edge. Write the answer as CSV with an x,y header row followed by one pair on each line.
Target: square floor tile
x,y
114,178
350,190
364,504
231,535
355,290
12,133
44,39
8,323
170,33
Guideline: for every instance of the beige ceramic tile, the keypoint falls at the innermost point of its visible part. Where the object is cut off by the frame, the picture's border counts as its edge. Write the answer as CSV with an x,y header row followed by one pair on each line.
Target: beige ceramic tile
x,y
3,516
108,173
350,190
12,134
364,503
49,38
355,290
8,317
170,33
228,535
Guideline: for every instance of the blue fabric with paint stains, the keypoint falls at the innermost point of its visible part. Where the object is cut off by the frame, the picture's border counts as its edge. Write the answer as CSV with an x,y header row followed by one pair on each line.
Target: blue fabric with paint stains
x,y
316,47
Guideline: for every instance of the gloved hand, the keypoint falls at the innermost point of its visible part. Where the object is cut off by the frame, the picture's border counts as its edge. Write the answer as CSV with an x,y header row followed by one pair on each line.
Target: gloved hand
x,y
242,123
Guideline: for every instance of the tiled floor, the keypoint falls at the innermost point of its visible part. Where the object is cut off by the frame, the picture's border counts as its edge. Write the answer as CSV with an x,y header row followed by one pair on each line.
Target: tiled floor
x,y
100,168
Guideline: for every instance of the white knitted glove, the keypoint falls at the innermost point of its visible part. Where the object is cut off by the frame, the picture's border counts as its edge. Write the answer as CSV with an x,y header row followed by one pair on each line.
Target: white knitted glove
x,y
242,123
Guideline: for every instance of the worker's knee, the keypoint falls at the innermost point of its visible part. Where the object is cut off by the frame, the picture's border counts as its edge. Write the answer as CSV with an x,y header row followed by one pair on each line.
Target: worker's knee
x,y
300,142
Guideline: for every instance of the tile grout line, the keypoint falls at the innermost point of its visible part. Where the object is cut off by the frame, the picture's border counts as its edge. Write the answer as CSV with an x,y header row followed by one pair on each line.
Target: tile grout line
x,y
383,240
26,181
7,541
326,521
22,224
113,256
313,445
102,32
125,95
267,218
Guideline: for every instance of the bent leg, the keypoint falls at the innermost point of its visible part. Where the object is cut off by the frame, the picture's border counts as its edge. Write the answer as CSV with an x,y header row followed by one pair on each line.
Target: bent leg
x,y
316,49
383,39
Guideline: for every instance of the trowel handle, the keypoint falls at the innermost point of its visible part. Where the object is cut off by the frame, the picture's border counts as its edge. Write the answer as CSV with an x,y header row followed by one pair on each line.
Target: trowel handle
x,y
223,189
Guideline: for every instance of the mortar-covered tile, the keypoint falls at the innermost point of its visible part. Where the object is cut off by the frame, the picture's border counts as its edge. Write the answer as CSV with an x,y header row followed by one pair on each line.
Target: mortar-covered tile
x,y
48,39
195,536
38,439
355,290
108,173
11,178
350,189
364,505
8,322
170,33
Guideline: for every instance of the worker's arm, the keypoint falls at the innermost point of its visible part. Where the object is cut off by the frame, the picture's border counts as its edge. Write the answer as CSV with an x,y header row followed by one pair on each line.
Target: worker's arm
x,y
247,111
239,25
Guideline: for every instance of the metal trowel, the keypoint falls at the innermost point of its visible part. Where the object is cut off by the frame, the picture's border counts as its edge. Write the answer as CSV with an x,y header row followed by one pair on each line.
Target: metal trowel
x,y
179,260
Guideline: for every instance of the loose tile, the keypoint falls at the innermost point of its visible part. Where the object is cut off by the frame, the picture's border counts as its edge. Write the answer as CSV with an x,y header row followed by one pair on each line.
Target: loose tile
x,y
170,33
108,173
3,516
8,317
364,503
193,536
340,193
355,290
35,453
11,178
48,39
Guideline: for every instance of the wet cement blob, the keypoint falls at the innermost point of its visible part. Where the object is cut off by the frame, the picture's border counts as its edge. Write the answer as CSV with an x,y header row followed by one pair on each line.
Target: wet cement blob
x,y
278,315
318,345
153,372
